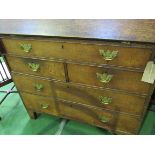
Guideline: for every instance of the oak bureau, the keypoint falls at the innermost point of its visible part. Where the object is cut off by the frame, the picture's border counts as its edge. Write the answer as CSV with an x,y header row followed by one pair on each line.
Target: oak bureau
x,y
84,70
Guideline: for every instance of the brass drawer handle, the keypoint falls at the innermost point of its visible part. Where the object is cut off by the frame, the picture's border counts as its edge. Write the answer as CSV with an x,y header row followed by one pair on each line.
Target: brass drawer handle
x,y
104,78
44,106
34,67
104,119
105,100
39,87
108,55
26,47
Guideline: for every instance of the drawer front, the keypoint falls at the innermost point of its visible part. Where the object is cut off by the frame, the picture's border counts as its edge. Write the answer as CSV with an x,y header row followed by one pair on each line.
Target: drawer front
x,y
115,79
39,103
50,69
101,98
33,84
105,119
127,57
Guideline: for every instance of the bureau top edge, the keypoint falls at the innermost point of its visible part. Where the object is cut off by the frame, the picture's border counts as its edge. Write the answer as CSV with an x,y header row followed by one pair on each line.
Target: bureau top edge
x,y
96,41
138,30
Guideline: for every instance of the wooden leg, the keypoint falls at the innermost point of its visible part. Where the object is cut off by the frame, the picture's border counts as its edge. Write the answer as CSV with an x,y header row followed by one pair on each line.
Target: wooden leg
x,y
32,114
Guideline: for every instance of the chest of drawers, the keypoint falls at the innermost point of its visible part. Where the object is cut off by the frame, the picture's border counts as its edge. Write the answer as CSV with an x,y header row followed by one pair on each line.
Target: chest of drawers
x,y
83,76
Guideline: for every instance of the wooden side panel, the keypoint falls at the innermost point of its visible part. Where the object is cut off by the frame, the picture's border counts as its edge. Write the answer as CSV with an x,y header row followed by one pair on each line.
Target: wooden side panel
x,y
122,80
127,57
120,101
50,69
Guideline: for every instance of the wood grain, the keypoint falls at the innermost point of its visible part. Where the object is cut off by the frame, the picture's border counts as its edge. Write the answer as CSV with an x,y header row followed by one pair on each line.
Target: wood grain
x,y
92,116
129,30
34,103
47,69
120,101
27,84
122,80
78,52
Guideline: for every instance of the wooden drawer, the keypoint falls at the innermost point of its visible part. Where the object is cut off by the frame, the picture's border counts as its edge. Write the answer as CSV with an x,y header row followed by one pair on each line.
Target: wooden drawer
x,y
123,80
33,84
44,68
127,57
105,119
101,98
39,103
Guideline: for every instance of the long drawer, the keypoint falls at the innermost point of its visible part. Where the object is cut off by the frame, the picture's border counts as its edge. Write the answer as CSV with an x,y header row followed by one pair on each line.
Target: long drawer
x,y
99,117
106,99
95,116
108,78
44,68
39,103
126,56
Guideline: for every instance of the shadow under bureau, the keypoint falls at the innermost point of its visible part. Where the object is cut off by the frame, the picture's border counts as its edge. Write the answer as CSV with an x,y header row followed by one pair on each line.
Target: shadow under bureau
x,y
89,79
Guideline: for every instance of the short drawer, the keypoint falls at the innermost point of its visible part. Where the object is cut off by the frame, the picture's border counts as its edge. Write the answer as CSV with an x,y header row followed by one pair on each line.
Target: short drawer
x,y
85,52
33,84
108,78
39,103
44,68
105,119
113,100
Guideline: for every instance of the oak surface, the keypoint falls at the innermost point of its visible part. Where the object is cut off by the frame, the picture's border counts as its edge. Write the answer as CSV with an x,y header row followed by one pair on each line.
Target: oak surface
x,y
46,68
121,80
80,52
93,116
122,29
121,102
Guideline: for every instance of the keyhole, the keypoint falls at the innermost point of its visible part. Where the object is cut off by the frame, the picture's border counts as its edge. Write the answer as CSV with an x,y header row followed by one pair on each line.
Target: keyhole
x,y
62,46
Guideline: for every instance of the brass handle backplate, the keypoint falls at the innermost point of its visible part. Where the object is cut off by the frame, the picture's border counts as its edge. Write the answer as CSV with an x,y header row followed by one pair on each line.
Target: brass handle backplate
x,y
38,87
104,78
108,55
105,100
26,47
34,67
104,119
44,106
